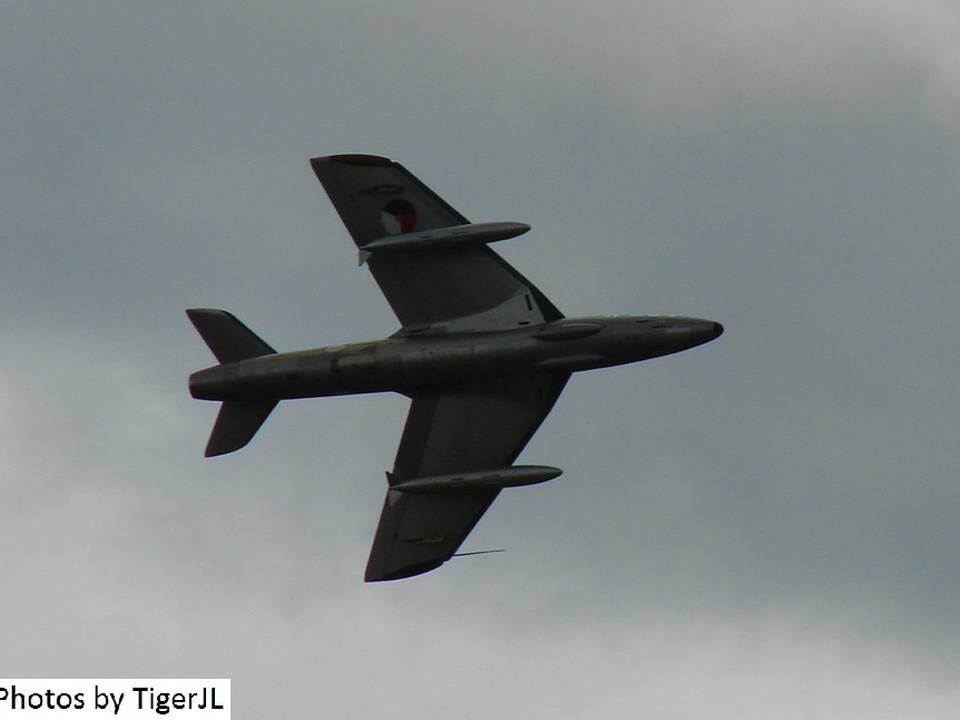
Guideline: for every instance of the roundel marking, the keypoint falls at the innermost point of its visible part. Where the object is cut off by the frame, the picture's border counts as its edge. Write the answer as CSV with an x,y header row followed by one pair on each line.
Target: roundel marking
x,y
398,216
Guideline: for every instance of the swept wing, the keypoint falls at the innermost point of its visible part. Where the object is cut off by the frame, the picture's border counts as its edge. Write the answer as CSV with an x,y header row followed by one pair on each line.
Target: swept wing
x,y
458,428
469,427
462,288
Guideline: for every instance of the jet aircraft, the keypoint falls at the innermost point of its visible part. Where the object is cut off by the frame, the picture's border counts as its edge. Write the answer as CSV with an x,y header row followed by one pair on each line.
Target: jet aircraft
x,y
481,352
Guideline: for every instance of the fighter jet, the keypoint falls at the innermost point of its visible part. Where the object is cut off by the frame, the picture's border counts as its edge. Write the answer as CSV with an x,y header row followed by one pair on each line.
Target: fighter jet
x,y
481,353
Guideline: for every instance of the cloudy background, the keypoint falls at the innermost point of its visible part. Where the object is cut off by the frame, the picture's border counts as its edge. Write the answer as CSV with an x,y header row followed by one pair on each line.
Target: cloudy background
x,y
764,526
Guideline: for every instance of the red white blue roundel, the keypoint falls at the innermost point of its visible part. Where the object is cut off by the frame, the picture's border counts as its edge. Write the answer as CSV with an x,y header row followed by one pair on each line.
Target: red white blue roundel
x,y
398,216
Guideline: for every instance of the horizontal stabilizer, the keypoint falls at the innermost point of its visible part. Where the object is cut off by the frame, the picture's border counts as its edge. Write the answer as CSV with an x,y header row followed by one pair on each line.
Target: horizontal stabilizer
x,y
236,424
228,338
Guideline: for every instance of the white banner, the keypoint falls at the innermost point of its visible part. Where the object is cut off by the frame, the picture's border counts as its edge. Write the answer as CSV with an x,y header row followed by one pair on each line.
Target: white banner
x,y
123,698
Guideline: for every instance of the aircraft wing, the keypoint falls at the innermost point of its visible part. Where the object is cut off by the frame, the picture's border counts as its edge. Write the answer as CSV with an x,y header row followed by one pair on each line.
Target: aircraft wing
x,y
469,427
455,288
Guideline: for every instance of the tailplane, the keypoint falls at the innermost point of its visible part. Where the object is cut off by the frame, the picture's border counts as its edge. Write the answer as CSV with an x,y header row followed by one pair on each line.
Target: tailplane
x,y
228,338
231,341
236,425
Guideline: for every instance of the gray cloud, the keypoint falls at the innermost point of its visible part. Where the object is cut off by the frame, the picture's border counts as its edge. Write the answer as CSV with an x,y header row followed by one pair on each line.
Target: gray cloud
x,y
763,524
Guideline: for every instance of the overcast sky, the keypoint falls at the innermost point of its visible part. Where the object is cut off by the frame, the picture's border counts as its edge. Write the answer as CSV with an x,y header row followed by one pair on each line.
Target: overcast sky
x,y
766,526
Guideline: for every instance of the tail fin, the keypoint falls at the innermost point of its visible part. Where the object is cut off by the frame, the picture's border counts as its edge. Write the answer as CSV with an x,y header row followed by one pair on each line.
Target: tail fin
x,y
232,341
236,425
228,338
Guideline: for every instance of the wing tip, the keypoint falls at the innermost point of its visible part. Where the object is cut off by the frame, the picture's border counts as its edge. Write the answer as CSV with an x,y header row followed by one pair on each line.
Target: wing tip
x,y
380,574
352,159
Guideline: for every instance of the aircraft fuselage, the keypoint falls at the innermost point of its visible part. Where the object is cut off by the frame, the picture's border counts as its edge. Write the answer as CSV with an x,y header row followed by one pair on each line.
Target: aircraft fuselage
x,y
407,362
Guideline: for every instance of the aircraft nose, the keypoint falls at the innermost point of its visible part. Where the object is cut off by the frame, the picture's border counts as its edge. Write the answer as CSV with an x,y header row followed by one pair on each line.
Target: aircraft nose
x,y
701,331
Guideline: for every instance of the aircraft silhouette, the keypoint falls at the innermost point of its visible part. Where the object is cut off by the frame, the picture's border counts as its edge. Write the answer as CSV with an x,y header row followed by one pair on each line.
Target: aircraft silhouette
x,y
481,352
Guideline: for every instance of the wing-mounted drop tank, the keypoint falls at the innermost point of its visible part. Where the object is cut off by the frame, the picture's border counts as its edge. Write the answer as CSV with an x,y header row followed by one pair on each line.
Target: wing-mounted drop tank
x,y
471,234
495,478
